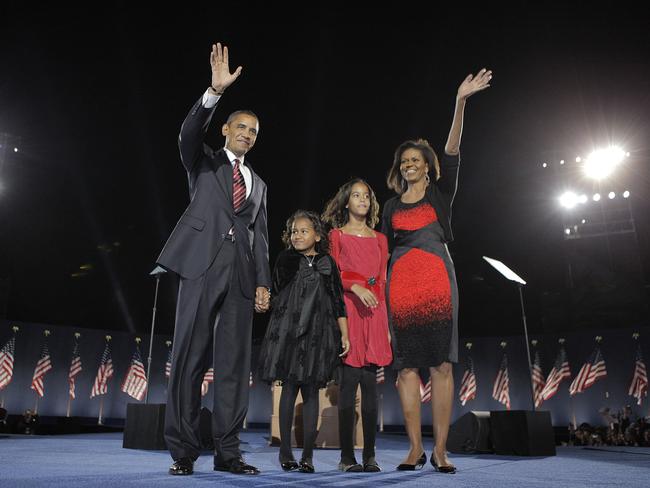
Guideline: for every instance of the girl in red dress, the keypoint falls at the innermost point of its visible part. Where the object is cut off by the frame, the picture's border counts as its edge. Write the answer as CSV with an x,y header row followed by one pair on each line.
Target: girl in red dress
x,y
361,254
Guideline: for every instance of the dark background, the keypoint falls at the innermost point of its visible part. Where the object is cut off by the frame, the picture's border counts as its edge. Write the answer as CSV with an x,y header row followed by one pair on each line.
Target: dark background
x,y
94,98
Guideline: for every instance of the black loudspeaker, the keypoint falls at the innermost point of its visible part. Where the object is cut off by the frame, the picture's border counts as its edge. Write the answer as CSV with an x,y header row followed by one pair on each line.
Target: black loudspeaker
x,y
144,426
522,433
470,434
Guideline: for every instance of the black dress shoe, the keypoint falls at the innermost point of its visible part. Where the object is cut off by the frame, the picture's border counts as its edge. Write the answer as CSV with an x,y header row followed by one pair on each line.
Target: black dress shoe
x,y
446,469
182,467
236,466
412,467
306,466
289,465
371,466
350,468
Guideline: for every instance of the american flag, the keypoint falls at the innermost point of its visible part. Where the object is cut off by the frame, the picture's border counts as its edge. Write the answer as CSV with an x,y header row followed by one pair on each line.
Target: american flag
x,y
104,373
593,369
467,390
168,364
381,377
501,389
425,391
208,378
597,370
538,380
75,369
7,362
135,381
558,373
43,365
639,386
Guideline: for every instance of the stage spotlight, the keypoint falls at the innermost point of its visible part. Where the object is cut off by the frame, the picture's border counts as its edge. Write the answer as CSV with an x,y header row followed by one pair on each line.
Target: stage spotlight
x,y
544,165
602,162
584,221
611,195
578,159
15,149
596,197
568,199
562,161
626,194
567,231
582,199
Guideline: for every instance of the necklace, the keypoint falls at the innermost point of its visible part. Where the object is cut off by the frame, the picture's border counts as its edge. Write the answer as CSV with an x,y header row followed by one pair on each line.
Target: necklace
x,y
310,261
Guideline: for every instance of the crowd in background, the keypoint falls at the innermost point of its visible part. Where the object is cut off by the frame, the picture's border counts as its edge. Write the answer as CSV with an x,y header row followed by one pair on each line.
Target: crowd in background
x,y
621,428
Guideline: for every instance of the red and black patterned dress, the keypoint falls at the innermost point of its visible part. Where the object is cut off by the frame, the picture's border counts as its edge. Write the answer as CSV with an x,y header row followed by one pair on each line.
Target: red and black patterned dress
x,y
421,289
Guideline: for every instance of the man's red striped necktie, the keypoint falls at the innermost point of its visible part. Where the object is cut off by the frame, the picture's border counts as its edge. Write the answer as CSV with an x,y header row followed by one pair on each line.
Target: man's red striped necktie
x,y
238,187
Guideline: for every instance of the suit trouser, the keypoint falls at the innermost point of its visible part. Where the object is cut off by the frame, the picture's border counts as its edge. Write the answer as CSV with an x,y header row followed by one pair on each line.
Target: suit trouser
x,y
211,312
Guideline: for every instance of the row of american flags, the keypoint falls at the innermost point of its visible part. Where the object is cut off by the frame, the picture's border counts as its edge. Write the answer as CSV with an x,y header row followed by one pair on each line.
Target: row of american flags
x,y
544,387
134,383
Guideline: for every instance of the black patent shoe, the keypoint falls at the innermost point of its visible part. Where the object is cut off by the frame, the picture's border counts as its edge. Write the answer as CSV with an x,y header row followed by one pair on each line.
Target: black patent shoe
x,y
446,469
306,466
371,466
182,467
412,467
350,468
236,466
290,465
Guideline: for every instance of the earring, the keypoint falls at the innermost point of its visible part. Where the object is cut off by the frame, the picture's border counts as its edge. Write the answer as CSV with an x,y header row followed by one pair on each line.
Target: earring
x,y
426,177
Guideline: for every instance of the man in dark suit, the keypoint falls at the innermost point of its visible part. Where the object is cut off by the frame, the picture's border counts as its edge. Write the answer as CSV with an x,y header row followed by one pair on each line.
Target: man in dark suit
x,y
219,248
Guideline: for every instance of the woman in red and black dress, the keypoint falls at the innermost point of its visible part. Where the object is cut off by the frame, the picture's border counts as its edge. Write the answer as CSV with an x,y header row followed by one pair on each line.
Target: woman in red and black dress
x,y
421,290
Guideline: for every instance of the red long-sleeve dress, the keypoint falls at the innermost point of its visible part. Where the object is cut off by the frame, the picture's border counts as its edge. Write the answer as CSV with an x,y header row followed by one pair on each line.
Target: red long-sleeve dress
x,y
363,261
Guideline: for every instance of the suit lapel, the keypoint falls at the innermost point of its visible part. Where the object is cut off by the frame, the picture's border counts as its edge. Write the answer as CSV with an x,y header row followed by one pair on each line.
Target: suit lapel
x,y
223,173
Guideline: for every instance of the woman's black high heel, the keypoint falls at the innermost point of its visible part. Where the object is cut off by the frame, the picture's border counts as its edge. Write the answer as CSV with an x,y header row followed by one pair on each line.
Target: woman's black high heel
x,y
289,465
306,466
448,469
412,467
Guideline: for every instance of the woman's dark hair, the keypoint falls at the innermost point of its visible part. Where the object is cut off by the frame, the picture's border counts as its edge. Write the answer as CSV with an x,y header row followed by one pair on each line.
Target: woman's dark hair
x,y
322,246
394,179
335,213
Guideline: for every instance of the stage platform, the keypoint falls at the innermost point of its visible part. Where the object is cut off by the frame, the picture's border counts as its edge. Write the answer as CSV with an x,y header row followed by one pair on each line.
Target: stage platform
x,y
99,460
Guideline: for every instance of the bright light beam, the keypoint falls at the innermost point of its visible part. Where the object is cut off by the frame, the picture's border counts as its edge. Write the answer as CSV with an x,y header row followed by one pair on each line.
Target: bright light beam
x,y
601,163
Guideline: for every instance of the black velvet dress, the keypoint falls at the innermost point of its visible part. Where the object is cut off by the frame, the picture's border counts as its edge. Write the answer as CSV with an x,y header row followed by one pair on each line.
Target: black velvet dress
x,y
303,341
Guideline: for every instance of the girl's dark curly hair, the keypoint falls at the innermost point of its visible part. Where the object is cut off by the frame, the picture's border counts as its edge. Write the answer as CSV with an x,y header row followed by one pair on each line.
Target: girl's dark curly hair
x,y
395,181
322,246
335,213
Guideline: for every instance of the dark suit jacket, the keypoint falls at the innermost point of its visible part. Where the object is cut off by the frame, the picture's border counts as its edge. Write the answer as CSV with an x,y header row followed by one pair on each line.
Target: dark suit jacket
x,y
199,233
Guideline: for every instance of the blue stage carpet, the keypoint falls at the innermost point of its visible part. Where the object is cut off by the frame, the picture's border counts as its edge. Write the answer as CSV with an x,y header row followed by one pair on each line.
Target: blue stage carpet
x,y
99,460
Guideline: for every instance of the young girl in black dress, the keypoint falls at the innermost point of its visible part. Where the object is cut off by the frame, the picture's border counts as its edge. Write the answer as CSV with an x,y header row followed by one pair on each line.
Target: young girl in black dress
x,y
307,332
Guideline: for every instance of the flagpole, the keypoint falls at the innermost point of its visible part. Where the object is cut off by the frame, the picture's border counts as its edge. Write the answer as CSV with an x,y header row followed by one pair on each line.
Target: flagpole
x,y
100,418
69,405
36,403
156,272
530,367
101,410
